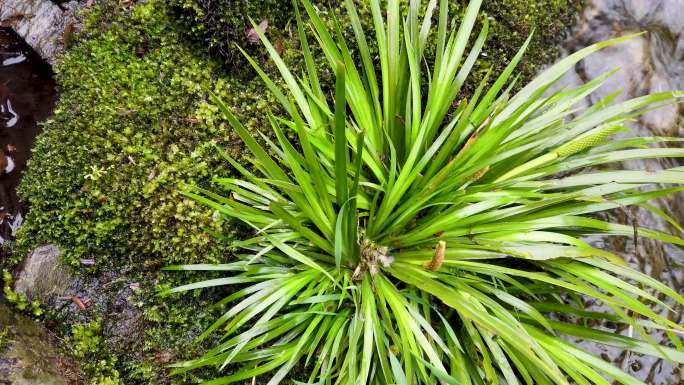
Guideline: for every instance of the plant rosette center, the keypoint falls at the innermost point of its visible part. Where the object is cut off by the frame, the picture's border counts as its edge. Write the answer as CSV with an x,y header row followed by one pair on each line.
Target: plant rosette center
x,y
373,257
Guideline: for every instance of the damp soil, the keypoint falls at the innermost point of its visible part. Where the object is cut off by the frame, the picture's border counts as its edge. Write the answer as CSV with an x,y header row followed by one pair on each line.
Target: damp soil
x,y
27,97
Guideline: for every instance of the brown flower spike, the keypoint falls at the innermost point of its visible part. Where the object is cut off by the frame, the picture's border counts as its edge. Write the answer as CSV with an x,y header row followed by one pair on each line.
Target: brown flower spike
x,y
437,258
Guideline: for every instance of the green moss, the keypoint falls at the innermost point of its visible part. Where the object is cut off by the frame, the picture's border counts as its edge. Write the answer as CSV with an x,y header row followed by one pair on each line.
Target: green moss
x,y
19,300
133,126
87,347
4,338
512,21
86,338
105,178
222,25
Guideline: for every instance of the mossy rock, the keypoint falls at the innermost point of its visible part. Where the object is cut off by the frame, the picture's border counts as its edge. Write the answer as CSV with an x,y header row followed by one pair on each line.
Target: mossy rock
x,y
107,172
133,127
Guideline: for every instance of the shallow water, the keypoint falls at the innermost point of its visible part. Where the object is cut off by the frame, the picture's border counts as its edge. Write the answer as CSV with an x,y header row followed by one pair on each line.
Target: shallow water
x,y
652,62
27,96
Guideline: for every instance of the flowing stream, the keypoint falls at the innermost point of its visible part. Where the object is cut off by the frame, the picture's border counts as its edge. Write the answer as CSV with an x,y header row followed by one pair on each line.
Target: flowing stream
x,y
649,63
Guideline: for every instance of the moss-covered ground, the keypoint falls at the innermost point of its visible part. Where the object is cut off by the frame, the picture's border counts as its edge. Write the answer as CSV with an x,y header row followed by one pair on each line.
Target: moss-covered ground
x,y
133,126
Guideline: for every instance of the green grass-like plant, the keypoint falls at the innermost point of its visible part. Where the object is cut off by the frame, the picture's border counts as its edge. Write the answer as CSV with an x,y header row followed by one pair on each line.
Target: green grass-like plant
x,y
410,236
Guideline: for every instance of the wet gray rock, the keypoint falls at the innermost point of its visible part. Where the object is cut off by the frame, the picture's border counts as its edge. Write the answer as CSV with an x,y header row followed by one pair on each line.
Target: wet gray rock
x,y
41,277
105,293
41,23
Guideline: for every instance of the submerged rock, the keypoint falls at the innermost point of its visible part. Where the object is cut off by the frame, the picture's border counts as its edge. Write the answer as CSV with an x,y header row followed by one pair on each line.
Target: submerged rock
x,y
28,356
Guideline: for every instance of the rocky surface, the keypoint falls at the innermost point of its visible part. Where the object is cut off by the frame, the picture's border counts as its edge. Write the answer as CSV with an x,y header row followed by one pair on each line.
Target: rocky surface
x,y
41,278
78,298
28,355
648,63
28,352
46,26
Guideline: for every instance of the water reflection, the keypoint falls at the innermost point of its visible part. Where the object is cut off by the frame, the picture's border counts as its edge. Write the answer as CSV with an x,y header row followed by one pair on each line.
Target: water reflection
x,y
14,60
27,94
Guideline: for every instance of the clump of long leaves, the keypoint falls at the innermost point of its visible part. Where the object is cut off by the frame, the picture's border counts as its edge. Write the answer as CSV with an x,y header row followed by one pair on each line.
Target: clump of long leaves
x,y
410,236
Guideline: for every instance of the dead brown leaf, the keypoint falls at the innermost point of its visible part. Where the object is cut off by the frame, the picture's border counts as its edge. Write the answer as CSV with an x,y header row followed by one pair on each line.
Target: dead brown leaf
x,y
252,35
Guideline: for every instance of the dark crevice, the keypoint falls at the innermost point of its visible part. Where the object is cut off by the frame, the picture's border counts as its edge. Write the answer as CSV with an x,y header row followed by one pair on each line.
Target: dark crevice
x,y
27,97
